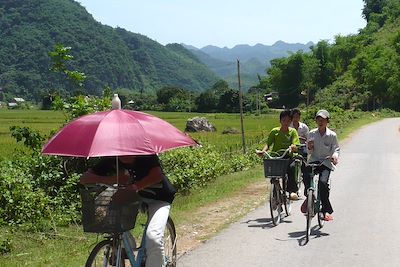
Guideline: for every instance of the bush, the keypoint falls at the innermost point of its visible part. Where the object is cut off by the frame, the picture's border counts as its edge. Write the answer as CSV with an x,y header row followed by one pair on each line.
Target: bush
x,y
20,201
191,168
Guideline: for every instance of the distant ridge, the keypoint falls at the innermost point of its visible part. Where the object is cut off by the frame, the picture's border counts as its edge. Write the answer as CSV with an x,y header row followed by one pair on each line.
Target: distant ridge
x,y
254,59
108,56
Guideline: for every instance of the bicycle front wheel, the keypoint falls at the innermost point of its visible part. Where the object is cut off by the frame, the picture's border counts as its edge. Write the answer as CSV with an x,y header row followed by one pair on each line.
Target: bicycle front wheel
x,y
103,254
170,243
310,213
275,205
320,216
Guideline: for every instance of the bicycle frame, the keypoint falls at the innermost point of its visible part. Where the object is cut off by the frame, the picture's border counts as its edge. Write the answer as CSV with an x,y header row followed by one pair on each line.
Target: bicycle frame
x,y
120,245
314,181
315,190
278,197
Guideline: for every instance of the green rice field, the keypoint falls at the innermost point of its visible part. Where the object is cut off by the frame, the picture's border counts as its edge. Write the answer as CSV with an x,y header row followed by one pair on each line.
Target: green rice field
x,y
255,127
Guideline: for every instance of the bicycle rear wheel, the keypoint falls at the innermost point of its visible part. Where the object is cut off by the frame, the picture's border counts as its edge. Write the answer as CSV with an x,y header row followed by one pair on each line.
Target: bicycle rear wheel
x,y
298,174
170,243
275,205
104,254
310,213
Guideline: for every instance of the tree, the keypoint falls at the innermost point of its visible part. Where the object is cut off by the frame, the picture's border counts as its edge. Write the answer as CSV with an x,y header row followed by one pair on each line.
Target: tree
x,y
372,6
285,77
343,51
207,101
60,56
166,93
308,85
229,101
326,69
220,87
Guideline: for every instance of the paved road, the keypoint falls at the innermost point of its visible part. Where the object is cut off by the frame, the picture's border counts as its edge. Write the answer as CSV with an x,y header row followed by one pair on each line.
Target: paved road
x,y
366,228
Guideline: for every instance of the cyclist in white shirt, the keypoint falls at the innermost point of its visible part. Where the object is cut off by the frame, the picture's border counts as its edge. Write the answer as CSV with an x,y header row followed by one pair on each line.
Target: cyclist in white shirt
x,y
302,130
322,146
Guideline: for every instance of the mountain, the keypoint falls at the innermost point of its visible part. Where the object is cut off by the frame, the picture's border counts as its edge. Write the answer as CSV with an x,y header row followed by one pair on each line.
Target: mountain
x,y
253,59
115,57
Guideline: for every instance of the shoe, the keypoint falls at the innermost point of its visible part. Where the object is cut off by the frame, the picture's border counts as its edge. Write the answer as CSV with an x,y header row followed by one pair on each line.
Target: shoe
x,y
293,196
327,217
303,207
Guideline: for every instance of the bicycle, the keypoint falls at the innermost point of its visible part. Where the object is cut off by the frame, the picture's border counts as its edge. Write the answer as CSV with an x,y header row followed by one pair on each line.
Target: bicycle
x,y
298,160
313,199
103,215
275,168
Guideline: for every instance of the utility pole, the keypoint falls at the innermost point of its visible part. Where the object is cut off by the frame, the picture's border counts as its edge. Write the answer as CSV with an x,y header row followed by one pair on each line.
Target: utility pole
x,y
241,107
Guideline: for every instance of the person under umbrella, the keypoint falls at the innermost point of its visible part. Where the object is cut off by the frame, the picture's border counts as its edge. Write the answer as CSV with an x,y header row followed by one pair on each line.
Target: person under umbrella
x,y
129,142
144,175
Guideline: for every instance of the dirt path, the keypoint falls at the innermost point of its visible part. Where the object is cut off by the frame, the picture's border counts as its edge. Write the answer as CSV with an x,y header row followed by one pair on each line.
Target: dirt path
x,y
209,220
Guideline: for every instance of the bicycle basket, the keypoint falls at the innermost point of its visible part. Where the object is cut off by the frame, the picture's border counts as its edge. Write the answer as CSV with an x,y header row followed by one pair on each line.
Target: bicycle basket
x,y
275,167
102,213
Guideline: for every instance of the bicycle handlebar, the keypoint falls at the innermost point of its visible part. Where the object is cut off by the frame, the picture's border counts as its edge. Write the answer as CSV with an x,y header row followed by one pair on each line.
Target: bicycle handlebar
x,y
113,186
275,154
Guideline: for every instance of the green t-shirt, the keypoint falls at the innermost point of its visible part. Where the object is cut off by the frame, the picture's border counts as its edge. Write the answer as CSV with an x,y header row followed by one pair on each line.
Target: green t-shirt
x,y
278,140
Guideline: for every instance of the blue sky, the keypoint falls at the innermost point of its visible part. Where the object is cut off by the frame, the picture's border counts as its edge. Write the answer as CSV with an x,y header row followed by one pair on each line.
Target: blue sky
x,y
228,23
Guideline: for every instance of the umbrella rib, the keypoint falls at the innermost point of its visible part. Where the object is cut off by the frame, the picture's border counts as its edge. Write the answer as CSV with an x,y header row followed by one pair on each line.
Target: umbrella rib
x,y
148,139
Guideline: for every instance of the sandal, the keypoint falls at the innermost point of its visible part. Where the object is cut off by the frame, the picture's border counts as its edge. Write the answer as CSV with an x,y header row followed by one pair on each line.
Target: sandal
x,y
303,207
327,217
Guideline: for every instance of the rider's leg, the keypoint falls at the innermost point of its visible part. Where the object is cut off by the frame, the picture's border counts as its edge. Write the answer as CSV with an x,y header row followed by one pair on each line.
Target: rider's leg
x,y
291,185
158,217
324,188
306,178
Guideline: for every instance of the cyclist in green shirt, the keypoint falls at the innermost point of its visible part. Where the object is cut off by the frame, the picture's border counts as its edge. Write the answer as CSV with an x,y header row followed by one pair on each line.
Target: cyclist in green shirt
x,y
281,138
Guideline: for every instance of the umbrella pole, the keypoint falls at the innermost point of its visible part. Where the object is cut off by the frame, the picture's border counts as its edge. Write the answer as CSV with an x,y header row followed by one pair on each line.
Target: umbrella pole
x,y
116,164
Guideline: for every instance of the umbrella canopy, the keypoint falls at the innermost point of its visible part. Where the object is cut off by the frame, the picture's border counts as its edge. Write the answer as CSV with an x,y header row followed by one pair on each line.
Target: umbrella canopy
x,y
116,133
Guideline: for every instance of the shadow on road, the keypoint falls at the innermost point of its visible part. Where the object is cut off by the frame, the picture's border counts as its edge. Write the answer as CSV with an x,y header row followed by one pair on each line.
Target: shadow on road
x,y
265,222
301,235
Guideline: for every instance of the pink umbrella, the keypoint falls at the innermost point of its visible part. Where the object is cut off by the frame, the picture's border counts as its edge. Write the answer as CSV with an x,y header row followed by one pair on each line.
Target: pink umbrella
x,y
116,133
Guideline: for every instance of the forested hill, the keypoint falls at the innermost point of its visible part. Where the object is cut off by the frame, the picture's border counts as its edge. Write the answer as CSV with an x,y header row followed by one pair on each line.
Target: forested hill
x,y
29,30
360,71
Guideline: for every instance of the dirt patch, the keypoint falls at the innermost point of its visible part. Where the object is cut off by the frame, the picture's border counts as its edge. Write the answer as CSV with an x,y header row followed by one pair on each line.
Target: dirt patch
x,y
209,220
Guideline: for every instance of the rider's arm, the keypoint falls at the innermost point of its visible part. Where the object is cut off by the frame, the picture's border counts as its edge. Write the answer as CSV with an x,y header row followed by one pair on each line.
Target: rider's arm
x,y
89,177
295,140
336,150
104,172
270,141
154,176
265,148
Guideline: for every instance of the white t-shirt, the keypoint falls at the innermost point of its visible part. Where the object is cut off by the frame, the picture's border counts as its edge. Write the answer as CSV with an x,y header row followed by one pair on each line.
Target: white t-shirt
x,y
324,146
302,131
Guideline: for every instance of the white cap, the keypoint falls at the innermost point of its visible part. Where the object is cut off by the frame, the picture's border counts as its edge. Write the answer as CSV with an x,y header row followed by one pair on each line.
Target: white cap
x,y
323,114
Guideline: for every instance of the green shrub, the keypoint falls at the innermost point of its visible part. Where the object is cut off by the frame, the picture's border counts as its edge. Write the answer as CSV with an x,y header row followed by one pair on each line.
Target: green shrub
x,y
20,201
191,168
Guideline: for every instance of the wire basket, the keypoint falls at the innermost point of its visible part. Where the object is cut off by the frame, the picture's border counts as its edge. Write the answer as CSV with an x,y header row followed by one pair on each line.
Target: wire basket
x,y
275,167
108,210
